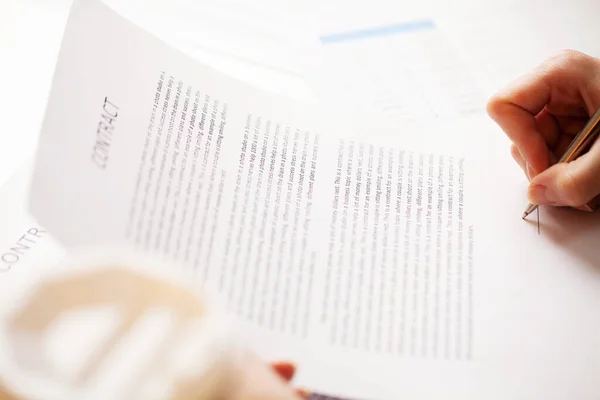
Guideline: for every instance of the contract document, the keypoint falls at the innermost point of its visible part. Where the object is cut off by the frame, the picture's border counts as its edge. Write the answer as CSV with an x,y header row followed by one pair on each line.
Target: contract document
x,y
381,258
25,246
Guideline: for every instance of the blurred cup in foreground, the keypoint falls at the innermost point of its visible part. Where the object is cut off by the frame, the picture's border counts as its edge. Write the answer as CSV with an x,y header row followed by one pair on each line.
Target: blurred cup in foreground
x,y
119,327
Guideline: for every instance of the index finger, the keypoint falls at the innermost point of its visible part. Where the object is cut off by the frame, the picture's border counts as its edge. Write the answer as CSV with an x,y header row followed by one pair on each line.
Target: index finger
x,y
514,110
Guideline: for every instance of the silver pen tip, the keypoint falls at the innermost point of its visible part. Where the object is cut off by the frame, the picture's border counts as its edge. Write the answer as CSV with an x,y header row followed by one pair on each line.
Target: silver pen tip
x,y
530,208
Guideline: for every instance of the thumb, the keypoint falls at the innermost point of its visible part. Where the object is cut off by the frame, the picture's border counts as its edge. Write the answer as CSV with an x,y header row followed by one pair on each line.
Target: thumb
x,y
572,184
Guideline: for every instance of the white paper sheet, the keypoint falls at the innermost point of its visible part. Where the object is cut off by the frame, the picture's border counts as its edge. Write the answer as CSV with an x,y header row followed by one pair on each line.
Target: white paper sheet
x,y
501,40
25,245
265,47
261,43
407,69
385,260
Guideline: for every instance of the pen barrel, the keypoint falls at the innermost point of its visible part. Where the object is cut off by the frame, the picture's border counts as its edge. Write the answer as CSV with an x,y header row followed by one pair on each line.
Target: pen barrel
x,y
584,139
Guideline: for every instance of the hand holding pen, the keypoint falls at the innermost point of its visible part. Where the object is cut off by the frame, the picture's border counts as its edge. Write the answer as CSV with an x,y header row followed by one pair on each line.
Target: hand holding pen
x,y
550,115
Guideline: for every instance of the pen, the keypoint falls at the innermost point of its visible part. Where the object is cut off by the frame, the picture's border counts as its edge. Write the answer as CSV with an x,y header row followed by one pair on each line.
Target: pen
x,y
580,142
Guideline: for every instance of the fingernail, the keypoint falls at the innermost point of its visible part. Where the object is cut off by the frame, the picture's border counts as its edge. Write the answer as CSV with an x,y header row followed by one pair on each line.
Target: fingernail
x,y
541,195
303,393
585,207
285,370
530,172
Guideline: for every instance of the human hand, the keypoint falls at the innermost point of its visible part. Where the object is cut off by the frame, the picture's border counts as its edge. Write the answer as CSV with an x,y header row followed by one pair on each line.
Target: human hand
x,y
541,113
